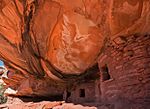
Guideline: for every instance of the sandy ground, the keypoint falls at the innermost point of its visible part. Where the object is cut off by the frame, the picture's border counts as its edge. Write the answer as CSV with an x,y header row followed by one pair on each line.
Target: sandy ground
x,y
48,105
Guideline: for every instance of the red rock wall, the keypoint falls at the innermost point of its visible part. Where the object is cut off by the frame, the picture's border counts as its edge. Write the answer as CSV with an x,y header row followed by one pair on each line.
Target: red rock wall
x,y
56,41
128,61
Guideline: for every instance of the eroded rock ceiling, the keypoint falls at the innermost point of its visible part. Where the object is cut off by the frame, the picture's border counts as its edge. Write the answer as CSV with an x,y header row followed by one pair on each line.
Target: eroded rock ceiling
x,y
55,39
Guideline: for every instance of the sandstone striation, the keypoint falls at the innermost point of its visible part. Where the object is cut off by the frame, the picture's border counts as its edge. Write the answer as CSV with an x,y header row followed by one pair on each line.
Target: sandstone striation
x,y
50,46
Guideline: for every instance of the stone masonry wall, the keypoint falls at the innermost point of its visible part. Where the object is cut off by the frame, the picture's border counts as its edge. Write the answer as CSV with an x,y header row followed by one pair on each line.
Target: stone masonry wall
x,y
89,89
128,62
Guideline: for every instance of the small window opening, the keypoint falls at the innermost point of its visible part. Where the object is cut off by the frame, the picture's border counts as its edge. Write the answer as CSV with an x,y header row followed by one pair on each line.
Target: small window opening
x,y
68,94
82,92
105,73
130,53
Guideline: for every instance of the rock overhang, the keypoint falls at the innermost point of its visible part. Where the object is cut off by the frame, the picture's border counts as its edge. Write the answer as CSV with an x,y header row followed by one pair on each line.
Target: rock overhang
x,y
61,40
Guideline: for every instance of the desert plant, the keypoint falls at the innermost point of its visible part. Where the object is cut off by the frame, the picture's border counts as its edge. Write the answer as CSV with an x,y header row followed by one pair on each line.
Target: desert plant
x,y
3,98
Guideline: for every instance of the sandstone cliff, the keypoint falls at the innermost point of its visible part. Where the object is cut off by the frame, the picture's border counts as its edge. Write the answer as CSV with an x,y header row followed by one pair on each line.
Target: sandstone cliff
x,y
49,44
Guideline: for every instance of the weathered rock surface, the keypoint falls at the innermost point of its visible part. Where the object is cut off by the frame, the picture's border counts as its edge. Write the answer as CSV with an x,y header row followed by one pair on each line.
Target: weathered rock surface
x,y
48,105
49,44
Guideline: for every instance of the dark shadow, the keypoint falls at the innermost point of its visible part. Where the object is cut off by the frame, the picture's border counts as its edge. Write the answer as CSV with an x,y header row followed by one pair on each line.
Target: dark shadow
x,y
82,93
105,73
40,98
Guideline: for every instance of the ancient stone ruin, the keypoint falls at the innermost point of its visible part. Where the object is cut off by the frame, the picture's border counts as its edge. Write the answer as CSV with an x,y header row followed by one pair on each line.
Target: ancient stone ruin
x,y
79,51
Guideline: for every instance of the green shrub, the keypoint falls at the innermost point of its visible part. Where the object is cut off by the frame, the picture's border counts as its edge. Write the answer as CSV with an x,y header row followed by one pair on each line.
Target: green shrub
x,y
3,98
